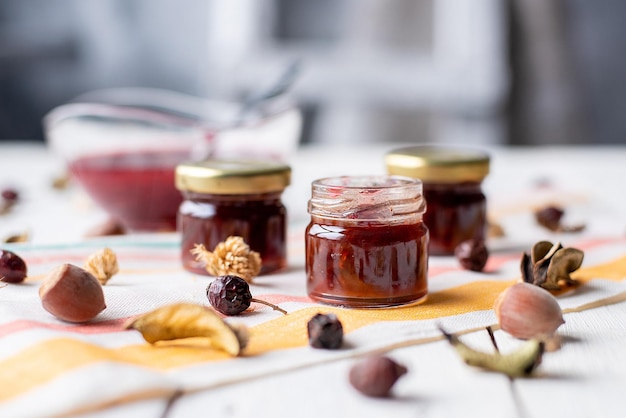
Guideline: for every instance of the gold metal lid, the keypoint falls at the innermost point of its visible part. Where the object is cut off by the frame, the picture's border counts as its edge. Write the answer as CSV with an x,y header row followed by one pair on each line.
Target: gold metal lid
x,y
435,163
232,176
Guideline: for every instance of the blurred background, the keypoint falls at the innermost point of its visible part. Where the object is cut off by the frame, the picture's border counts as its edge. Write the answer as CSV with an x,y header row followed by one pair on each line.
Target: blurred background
x,y
478,72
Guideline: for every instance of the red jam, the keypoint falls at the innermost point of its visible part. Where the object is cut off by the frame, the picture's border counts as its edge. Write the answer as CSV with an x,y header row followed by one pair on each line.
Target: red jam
x,y
259,219
226,198
366,265
456,212
452,178
135,188
366,244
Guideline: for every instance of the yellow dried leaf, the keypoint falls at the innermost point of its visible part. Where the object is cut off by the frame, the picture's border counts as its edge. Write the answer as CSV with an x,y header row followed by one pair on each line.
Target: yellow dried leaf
x,y
187,320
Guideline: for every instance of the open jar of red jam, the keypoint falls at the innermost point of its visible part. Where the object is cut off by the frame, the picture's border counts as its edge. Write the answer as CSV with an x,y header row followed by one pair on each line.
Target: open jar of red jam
x,y
225,198
452,177
366,244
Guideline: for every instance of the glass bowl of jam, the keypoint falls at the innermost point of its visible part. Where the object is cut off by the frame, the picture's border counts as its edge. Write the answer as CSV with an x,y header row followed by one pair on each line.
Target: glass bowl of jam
x,y
122,146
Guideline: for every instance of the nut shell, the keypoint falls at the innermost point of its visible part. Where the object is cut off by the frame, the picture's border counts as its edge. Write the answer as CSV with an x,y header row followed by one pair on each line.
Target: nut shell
x,y
375,375
72,294
526,311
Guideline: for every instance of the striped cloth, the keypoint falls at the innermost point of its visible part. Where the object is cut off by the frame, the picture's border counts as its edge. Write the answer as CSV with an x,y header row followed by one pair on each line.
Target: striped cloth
x,y
41,357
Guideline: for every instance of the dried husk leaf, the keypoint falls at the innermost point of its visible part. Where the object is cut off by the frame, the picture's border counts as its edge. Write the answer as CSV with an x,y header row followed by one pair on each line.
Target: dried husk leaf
x,y
540,250
526,267
562,264
188,320
520,363
103,265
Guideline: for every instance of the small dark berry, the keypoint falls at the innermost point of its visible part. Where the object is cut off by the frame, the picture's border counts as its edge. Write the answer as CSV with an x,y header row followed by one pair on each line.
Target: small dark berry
x,y
472,254
550,217
325,331
229,295
376,375
12,267
10,195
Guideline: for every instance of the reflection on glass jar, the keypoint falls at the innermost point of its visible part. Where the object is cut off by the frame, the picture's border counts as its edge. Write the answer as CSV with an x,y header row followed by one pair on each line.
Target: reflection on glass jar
x,y
366,244
452,177
225,198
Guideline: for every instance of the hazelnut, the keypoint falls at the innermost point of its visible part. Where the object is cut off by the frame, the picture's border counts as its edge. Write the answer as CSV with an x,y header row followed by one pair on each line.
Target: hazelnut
x,y
526,311
72,294
375,375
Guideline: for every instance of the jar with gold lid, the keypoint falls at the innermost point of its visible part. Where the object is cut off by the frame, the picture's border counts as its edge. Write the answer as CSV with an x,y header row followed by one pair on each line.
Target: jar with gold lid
x,y
452,178
225,198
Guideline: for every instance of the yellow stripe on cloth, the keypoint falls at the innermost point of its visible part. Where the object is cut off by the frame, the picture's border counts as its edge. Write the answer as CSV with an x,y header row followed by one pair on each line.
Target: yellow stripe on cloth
x,y
44,361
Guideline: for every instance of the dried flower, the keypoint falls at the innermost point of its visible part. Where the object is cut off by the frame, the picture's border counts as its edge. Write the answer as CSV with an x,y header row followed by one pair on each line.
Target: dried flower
x,y
232,257
550,217
188,320
549,265
103,265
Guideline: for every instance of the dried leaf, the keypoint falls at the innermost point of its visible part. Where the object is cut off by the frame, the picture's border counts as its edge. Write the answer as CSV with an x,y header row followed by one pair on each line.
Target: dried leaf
x,y
103,265
526,266
188,320
22,237
550,217
562,264
519,363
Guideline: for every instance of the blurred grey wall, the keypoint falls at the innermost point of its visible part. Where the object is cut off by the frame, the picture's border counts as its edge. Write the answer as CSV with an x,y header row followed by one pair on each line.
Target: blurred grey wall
x,y
480,71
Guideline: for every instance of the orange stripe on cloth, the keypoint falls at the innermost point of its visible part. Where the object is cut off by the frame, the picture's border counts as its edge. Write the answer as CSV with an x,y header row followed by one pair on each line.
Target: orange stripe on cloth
x,y
44,361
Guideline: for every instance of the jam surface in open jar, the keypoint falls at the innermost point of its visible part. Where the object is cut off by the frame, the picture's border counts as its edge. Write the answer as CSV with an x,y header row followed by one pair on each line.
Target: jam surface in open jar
x,y
366,265
456,212
209,219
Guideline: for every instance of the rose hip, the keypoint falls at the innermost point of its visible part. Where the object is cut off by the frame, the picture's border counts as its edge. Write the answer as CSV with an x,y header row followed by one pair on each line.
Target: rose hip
x,y
12,267
472,254
325,331
230,295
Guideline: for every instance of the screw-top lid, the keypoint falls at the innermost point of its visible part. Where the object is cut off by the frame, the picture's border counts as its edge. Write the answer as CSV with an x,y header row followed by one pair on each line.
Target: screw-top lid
x,y
232,176
442,164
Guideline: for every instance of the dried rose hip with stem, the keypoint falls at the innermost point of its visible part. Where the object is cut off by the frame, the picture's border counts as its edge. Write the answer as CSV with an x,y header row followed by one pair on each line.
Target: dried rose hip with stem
x,y
231,295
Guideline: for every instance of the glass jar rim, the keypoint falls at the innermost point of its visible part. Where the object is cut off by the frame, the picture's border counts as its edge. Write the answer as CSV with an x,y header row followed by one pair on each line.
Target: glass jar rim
x,y
367,198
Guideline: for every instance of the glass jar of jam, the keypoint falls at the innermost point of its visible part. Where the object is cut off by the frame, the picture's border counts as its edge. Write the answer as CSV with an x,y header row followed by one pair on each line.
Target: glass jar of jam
x,y
233,197
366,244
452,177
